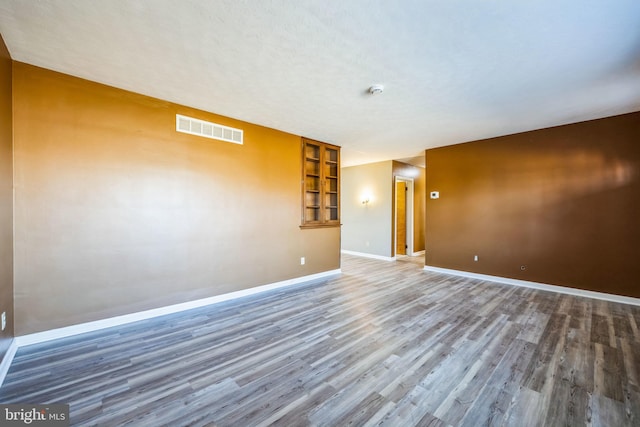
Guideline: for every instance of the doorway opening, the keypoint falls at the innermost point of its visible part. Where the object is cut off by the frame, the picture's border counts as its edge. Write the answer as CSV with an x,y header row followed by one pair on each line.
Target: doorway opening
x,y
403,214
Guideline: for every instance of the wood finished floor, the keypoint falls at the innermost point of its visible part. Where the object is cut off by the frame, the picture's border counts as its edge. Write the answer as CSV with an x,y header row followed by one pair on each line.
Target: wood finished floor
x,y
386,343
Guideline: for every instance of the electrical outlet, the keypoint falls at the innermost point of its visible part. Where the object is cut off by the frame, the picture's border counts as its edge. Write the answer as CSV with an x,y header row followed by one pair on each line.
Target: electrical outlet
x,y
302,260
475,257
4,320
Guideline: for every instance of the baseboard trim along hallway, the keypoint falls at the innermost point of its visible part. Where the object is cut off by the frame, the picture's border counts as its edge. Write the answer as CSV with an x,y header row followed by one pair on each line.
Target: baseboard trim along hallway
x,y
366,255
81,328
7,359
535,285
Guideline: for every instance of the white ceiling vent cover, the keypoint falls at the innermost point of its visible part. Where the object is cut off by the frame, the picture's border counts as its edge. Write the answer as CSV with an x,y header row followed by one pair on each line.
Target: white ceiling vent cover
x,y
193,126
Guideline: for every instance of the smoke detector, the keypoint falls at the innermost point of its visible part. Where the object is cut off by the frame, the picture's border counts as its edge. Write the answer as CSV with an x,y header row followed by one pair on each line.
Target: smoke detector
x,y
376,89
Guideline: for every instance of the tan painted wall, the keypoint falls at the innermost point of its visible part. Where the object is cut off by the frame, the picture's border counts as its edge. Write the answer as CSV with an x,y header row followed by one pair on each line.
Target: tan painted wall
x,y
419,179
367,228
116,212
6,198
564,202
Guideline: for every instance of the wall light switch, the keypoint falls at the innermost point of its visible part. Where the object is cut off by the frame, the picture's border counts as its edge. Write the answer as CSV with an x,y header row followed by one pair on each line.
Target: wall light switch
x,y
475,257
4,320
435,194
302,260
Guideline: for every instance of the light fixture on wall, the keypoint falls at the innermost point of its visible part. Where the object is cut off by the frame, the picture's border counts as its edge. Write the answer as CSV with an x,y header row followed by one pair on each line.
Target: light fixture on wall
x,y
365,198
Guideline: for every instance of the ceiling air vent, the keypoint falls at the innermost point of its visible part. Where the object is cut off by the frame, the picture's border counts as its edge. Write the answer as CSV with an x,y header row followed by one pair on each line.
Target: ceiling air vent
x,y
193,126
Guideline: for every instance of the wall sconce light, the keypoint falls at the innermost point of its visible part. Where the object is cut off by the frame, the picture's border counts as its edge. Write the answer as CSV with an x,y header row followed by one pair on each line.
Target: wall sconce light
x,y
365,198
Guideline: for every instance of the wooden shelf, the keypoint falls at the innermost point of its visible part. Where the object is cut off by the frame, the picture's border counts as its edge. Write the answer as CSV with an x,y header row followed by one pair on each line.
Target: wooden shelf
x,y
320,178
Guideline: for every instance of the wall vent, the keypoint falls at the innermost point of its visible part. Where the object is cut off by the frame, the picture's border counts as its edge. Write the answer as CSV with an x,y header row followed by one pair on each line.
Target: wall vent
x,y
193,126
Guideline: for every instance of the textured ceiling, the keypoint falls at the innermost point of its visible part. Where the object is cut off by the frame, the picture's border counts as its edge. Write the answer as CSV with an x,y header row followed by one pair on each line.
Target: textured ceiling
x,y
453,71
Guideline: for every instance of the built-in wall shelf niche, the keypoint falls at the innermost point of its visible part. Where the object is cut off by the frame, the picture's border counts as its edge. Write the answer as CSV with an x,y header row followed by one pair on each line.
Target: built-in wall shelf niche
x,y
320,184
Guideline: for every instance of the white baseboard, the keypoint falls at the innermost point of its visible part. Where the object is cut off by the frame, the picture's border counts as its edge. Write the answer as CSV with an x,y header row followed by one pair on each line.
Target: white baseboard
x,y
366,255
542,286
419,253
7,359
81,328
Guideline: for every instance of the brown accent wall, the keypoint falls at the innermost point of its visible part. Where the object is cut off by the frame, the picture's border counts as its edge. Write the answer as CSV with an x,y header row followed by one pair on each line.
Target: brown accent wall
x,y
116,212
418,174
563,202
6,198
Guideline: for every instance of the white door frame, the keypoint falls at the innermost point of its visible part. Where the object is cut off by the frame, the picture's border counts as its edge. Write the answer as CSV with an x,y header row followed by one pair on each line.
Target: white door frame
x,y
409,211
